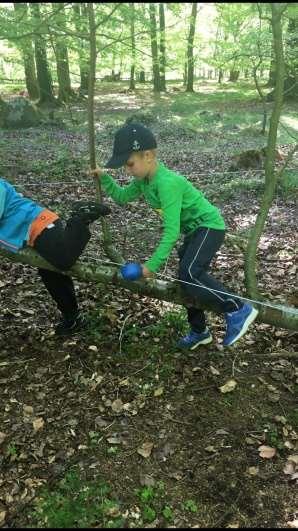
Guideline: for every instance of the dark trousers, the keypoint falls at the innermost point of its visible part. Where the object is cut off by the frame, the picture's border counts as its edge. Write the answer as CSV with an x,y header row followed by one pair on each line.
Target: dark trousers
x,y
61,246
195,256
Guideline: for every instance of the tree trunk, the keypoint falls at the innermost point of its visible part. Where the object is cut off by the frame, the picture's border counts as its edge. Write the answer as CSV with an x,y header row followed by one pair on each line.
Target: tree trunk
x,y
185,73
270,174
154,48
272,69
81,24
263,99
272,74
43,72
3,113
132,84
276,314
257,67
107,243
28,54
190,45
234,75
65,92
162,47
291,80
142,76
122,53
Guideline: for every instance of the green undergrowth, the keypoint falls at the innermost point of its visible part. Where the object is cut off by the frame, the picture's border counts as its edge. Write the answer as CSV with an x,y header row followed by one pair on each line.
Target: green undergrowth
x,y
165,331
75,502
214,116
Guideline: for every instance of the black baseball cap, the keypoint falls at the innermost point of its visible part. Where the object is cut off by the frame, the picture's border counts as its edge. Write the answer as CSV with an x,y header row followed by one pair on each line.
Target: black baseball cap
x,y
129,139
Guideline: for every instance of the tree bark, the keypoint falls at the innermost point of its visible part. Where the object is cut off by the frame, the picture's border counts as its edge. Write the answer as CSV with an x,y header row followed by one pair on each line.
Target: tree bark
x,y
234,75
65,92
132,84
291,79
43,72
272,69
257,67
276,314
270,174
263,99
190,45
107,243
185,72
162,47
154,48
80,21
272,74
142,76
28,54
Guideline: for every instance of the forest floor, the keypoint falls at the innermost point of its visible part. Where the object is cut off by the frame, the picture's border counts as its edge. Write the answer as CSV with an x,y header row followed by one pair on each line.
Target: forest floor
x,y
114,427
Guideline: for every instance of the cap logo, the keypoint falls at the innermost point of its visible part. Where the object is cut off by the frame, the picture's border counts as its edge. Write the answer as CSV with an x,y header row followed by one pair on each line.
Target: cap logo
x,y
136,146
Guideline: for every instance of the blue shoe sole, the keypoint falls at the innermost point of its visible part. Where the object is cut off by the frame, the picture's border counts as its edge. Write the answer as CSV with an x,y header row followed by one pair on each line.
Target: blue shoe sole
x,y
250,319
205,341
202,342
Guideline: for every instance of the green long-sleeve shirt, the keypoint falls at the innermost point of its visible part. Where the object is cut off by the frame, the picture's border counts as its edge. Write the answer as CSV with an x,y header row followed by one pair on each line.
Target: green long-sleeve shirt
x,y
182,207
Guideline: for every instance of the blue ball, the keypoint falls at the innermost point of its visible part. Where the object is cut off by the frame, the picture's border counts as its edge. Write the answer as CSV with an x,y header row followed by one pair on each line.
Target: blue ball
x,y
131,271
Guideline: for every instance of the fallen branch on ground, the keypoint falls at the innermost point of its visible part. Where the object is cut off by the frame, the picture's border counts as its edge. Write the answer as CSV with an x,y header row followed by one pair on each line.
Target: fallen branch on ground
x,y
275,314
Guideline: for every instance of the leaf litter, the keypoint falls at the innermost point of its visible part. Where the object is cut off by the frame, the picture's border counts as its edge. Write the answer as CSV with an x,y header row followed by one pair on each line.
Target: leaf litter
x,y
56,394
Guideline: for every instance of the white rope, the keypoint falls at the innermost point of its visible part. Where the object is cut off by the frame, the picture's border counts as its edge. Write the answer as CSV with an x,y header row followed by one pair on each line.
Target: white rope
x,y
89,181
167,277
127,180
209,174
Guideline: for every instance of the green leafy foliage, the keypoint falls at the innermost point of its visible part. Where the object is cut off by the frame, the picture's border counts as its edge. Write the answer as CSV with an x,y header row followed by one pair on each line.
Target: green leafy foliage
x,y
77,503
148,513
146,494
228,36
191,506
167,513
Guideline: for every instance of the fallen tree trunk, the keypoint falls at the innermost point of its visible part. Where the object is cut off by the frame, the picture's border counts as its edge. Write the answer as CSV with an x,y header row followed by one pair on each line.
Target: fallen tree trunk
x,y
276,314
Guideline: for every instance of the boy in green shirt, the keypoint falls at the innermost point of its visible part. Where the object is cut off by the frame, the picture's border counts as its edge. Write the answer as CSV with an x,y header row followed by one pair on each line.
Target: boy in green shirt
x,y
183,209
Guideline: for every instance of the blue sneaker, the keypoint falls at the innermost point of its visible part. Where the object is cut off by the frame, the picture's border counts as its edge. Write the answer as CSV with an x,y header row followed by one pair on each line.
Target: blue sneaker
x,y
238,323
194,339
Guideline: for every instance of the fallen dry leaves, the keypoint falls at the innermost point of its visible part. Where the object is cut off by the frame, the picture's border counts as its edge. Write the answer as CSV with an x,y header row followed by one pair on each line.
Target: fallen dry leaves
x,y
229,386
2,437
146,449
291,467
267,452
38,423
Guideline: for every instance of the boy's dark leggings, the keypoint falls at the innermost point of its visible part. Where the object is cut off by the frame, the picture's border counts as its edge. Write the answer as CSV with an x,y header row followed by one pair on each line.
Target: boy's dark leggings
x,y
195,256
61,247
